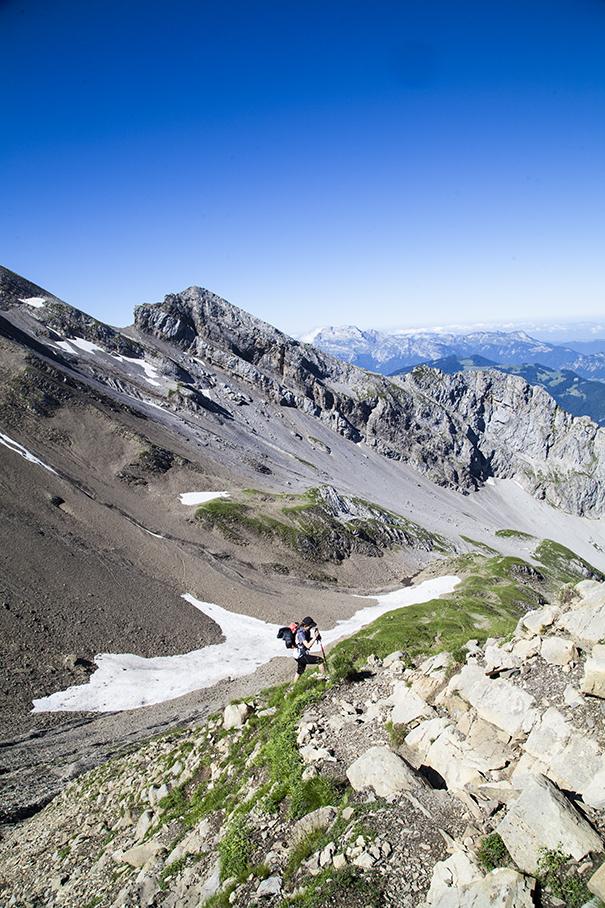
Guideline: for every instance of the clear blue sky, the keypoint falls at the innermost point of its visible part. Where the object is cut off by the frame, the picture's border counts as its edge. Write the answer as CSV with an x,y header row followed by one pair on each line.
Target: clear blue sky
x,y
384,164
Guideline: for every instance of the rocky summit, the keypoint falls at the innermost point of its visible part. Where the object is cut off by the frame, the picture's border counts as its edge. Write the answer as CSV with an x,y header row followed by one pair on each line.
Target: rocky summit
x,y
171,489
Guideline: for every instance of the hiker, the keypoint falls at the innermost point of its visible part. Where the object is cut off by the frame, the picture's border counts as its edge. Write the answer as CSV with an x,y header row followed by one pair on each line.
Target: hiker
x,y
304,642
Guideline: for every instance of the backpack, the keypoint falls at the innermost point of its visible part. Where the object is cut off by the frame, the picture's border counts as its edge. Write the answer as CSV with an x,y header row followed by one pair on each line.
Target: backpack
x,y
288,634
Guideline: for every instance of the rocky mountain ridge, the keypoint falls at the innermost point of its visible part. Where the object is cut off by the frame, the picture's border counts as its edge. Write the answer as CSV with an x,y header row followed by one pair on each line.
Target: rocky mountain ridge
x,y
458,430
574,394
438,785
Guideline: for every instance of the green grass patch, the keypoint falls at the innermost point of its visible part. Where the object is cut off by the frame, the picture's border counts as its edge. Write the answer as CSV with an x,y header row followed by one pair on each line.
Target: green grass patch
x,y
479,545
563,565
493,853
234,849
517,534
488,603
556,875
342,887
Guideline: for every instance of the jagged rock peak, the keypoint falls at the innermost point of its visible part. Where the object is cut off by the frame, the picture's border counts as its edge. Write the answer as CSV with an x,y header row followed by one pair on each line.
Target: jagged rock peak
x,y
198,313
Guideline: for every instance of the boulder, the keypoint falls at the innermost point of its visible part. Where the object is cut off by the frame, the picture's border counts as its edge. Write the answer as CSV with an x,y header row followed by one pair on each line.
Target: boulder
x,y
549,736
498,658
526,649
235,715
497,701
421,737
270,887
502,888
317,819
386,772
594,673
455,761
536,621
542,817
407,705
587,622
596,883
140,854
457,870
558,651
392,657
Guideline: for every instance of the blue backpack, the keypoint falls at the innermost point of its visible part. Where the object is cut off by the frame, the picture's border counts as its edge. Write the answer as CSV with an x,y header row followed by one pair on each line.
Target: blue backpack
x,y
288,634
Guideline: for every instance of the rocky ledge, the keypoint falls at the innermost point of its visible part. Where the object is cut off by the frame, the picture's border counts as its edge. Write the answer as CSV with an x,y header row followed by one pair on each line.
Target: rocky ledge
x,y
444,784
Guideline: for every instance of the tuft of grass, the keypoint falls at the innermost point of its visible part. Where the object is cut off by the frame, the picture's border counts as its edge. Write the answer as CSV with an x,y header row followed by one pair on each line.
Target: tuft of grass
x,y
493,852
397,733
235,849
555,874
518,534
311,795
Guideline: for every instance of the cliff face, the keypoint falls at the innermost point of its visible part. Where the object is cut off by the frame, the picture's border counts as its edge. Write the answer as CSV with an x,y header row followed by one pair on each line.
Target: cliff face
x,y
459,430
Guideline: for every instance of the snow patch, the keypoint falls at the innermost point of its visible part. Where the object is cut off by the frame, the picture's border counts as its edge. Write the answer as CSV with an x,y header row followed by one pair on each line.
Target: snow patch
x,y
201,497
151,372
80,344
23,452
36,301
127,682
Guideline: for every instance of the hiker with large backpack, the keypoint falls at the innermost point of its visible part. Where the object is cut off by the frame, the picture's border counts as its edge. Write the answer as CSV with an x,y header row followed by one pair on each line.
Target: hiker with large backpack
x,y
303,643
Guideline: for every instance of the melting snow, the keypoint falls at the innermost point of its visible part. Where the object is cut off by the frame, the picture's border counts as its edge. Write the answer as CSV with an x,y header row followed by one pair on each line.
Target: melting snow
x,y
80,344
201,497
23,452
127,681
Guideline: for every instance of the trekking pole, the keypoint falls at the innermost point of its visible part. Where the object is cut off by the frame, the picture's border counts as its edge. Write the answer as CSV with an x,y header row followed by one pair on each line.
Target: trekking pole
x,y
323,652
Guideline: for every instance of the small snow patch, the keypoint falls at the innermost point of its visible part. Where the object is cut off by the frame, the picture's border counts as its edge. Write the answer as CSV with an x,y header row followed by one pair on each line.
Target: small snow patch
x,y
80,344
23,452
201,497
36,301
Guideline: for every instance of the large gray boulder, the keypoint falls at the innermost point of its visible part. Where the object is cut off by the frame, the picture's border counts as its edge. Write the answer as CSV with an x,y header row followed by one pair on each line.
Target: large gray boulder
x,y
497,701
542,817
384,771
502,888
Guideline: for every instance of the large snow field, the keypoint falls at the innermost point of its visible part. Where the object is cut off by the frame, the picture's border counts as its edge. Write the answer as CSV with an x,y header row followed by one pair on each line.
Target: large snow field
x,y
126,682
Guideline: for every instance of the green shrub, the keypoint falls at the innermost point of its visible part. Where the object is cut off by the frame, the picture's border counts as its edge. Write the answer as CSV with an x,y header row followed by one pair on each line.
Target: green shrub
x,y
492,852
311,795
397,733
235,849
557,876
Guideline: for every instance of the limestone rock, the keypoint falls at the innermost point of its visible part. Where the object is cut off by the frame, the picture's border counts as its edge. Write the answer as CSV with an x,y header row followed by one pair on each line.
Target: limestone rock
x,y
385,771
536,621
497,701
235,715
558,651
596,883
140,854
317,819
270,887
502,888
407,705
594,673
542,817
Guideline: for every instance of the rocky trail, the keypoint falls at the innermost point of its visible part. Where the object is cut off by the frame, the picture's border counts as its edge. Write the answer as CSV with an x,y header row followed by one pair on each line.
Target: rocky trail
x,y
440,784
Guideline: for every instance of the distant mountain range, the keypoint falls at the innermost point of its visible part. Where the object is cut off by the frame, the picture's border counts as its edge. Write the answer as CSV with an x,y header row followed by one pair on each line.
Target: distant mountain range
x,y
575,378
389,353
